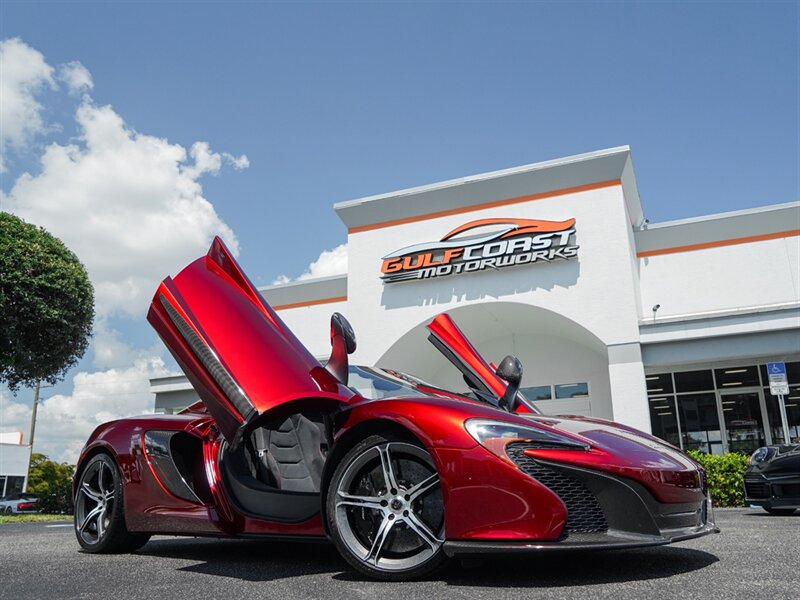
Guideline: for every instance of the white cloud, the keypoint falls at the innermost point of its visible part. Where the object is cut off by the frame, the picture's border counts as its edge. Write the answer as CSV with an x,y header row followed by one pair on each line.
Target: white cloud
x,y
76,76
65,421
128,204
131,207
330,262
23,75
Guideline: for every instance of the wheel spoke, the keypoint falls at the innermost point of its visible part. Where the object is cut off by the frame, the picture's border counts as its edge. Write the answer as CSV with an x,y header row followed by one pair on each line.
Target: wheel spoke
x,y
92,494
423,487
100,524
359,501
100,483
380,538
386,467
422,530
93,514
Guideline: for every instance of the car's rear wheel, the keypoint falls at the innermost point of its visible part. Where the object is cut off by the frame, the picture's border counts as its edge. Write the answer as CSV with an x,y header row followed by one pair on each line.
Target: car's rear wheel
x,y
99,510
386,511
783,512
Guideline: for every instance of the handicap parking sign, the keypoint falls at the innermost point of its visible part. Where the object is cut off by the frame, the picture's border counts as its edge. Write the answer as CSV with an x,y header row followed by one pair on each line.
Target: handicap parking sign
x,y
778,382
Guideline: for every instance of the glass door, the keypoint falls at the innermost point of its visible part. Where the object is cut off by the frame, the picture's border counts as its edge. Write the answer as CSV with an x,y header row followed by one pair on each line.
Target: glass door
x,y
744,421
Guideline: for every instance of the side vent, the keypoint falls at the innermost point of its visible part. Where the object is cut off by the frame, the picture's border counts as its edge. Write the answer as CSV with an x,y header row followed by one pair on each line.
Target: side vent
x,y
158,448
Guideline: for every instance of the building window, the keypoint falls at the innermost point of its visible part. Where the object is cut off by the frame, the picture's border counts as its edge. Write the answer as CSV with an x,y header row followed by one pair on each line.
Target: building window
x,y
558,391
542,392
792,403
664,419
572,390
685,408
700,423
694,381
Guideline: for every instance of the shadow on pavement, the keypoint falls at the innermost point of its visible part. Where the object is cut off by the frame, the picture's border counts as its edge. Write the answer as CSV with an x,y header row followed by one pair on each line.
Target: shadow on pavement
x,y
574,570
249,560
266,561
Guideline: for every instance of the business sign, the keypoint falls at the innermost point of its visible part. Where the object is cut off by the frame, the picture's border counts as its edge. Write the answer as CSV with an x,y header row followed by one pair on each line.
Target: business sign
x,y
480,245
778,382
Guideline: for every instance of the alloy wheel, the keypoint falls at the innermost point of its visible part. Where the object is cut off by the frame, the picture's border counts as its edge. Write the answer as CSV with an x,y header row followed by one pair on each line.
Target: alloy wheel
x,y
389,509
94,502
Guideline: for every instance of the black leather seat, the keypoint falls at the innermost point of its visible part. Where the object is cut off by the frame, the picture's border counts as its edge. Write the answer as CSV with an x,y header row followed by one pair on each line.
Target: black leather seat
x,y
291,456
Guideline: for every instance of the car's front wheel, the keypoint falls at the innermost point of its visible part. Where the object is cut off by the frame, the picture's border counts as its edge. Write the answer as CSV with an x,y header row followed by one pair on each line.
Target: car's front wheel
x,y
386,511
99,510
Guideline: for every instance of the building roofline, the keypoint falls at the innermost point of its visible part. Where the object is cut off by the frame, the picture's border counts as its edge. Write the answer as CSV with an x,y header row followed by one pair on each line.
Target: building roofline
x,y
538,166
725,215
570,174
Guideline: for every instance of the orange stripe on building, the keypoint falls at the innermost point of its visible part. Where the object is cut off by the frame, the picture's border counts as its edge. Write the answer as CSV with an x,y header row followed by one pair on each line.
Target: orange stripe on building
x,y
493,204
310,303
730,242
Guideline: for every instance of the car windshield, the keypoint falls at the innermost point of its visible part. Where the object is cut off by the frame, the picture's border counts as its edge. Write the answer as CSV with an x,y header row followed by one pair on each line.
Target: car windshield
x,y
375,384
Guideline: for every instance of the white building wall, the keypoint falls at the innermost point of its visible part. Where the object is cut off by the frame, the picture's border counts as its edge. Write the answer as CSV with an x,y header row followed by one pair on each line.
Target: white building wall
x,y
591,290
754,274
312,325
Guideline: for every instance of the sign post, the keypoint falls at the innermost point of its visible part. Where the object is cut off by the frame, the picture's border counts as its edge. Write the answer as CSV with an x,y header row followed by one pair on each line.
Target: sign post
x,y
779,386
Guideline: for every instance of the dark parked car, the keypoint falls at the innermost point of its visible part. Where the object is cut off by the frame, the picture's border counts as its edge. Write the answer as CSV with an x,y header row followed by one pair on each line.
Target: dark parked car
x,y
772,481
19,503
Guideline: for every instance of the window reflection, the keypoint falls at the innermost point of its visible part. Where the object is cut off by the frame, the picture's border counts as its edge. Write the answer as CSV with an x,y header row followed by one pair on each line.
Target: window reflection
x,y
743,422
700,423
792,403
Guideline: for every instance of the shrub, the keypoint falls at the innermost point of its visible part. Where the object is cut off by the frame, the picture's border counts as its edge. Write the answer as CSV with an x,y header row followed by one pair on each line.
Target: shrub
x,y
52,482
725,474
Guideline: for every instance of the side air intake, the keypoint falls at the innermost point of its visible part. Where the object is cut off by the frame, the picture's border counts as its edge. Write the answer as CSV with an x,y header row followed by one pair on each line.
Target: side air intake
x,y
584,514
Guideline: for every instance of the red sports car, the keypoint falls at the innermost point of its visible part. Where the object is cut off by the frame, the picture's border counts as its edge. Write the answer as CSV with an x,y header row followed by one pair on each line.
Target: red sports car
x,y
398,474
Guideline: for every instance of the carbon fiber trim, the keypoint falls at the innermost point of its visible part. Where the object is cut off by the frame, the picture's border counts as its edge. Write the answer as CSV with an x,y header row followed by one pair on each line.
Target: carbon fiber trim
x,y
157,444
209,360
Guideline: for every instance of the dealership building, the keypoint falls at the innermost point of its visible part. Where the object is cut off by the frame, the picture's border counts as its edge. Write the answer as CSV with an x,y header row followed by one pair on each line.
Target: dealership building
x,y
667,327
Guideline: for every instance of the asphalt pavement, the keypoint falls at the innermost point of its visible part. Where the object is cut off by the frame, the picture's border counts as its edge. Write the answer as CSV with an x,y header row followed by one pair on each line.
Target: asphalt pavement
x,y
755,556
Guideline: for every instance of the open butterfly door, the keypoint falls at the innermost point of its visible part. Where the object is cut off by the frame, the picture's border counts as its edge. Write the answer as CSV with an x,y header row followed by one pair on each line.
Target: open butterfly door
x,y
241,358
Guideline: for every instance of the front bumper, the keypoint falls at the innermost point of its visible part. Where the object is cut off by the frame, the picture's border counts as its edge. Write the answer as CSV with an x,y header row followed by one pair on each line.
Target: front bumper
x,y
632,517
773,492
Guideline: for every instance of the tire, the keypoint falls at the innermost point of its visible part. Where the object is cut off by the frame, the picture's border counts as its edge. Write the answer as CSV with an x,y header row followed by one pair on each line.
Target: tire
x,y
99,510
782,512
386,511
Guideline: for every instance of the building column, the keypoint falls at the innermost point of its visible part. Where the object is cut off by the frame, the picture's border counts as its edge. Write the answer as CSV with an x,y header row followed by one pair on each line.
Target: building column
x,y
628,386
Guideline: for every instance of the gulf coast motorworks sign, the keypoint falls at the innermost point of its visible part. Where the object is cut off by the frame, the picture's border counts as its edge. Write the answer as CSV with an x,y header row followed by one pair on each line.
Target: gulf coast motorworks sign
x,y
480,245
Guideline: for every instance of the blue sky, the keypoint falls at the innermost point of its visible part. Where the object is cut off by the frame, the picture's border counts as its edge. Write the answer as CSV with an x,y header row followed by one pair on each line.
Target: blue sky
x,y
331,101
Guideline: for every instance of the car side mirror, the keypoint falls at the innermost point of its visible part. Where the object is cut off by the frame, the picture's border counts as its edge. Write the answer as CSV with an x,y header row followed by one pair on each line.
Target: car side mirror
x,y
510,370
343,342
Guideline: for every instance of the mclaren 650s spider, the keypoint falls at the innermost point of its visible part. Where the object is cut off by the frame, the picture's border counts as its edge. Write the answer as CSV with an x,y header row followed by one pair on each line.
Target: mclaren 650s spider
x,y
400,475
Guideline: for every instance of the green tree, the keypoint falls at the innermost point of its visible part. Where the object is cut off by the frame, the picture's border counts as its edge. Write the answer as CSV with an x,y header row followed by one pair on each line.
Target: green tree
x,y
52,482
46,305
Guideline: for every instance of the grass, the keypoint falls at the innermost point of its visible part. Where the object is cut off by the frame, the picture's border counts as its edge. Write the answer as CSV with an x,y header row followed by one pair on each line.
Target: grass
x,y
33,518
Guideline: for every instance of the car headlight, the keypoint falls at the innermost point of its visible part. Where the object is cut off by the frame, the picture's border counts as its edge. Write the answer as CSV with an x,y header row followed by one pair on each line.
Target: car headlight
x,y
761,455
496,435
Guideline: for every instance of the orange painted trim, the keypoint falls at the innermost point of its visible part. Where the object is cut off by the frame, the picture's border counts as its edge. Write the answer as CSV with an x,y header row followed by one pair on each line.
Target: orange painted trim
x,y
493,204
310,303
730,242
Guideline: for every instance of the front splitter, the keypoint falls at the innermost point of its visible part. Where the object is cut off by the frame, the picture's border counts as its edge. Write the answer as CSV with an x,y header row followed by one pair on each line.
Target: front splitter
x,y
575,542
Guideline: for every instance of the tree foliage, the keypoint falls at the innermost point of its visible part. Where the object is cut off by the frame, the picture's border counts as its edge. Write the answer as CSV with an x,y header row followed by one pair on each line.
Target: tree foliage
x,y
725,475
52,482
46,305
